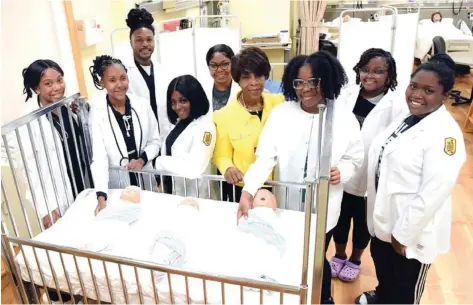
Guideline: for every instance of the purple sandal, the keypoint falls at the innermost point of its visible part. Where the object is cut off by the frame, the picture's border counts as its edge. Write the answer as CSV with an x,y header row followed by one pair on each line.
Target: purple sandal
x,y
336,264
349,272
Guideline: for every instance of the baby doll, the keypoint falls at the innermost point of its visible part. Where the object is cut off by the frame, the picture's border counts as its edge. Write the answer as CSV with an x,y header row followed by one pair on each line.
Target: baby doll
x,y
265,198
189,202
131,194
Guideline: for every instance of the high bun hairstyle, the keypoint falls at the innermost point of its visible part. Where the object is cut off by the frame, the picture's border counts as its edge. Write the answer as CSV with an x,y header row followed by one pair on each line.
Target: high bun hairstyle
x,y
139,18
33,73
100,64
442,65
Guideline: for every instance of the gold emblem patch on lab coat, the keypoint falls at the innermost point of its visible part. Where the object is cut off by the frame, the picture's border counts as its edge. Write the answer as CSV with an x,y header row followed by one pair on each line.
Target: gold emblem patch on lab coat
x,y
450,146
207,138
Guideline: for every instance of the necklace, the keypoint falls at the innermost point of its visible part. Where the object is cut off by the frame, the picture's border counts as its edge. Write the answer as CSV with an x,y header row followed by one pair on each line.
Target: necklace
x,y
243,103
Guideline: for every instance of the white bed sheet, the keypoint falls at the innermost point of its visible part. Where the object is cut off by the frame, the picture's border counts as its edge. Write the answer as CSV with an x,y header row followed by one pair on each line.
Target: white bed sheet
x,y
212,241
427,31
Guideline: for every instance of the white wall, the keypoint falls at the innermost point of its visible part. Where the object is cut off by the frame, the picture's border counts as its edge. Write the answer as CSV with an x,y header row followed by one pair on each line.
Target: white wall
x,y
31,29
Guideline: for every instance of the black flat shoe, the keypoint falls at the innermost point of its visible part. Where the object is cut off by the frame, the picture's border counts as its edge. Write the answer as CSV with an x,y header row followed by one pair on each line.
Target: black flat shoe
x,y
328,301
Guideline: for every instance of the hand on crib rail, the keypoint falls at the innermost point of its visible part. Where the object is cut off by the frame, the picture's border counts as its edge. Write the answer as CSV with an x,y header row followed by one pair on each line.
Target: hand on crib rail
x,y
135,164
233,175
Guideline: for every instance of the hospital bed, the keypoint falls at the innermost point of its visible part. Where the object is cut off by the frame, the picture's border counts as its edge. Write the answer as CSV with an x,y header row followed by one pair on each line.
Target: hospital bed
x,y
392,32
458,44
89,260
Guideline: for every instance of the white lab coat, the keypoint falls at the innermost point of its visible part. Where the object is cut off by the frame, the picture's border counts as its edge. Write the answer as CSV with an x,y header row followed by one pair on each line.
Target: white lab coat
x,y
288,138
137,86
388,108
191,155
106,153
413,201
234,89
57,188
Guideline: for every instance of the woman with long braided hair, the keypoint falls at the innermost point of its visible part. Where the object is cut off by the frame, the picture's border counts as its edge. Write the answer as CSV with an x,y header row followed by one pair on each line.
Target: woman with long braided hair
x,y
124,130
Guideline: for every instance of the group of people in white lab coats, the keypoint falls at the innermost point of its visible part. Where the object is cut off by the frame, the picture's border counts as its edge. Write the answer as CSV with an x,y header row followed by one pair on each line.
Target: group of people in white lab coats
x,y
392,168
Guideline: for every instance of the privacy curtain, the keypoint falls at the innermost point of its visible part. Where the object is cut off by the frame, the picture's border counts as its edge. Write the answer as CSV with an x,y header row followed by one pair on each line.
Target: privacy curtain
x,y
311,13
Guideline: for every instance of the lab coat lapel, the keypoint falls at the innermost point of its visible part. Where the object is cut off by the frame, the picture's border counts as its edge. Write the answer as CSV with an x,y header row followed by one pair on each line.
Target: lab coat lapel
x,y
413,132
159,82
351,96
115,128
382,104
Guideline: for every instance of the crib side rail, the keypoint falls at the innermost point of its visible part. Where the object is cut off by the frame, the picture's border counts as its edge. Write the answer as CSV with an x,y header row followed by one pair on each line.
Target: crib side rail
x,y
114,293
36,187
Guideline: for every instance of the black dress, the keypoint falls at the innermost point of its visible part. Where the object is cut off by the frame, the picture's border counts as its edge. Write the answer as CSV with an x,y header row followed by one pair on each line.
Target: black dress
x,y
76,151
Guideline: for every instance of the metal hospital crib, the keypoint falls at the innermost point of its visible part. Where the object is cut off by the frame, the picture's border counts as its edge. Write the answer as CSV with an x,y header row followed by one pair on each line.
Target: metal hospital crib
x,y
35,286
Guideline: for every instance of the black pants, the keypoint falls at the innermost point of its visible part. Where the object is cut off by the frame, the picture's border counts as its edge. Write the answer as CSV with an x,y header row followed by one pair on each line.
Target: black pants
x,y
353,207
227,191
327,277
400,280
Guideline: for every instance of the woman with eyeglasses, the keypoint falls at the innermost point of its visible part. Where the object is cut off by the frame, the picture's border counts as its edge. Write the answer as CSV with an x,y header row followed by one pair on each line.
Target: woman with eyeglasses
x,y
289,141
223,89
239,123
375,103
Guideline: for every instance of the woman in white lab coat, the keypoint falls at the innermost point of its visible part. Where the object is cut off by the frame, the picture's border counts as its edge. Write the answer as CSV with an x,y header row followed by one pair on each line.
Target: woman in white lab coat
x,y
146,76
288,141
46,79
223,89
412,168
188,147
123,129
375,103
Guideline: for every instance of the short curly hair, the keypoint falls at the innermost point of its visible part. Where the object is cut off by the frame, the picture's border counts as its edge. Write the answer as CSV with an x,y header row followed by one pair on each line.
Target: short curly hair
x,y
391,81
324,66
250,60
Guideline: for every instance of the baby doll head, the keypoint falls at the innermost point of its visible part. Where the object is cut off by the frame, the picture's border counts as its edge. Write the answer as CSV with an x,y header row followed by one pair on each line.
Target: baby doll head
x,y
265,198
131,194
190,202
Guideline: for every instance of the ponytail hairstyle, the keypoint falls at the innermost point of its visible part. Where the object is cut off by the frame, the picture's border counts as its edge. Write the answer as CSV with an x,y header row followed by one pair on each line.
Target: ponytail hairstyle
x,y
139,18
442,65
33,73
100,64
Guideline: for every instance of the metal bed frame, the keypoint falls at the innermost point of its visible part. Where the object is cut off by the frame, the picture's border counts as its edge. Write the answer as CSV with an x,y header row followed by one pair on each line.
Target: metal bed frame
x,y
28,290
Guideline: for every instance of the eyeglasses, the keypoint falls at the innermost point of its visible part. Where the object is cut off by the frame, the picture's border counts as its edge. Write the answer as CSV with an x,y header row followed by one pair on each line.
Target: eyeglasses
x,y
224,65
311,83
376,72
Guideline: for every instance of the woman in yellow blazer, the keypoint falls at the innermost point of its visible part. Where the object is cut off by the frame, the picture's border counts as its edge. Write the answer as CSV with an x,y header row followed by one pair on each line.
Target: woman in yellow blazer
x,y
240,122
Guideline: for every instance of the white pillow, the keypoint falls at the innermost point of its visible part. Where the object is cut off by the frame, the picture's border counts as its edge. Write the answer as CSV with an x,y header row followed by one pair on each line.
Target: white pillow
x,y
444,21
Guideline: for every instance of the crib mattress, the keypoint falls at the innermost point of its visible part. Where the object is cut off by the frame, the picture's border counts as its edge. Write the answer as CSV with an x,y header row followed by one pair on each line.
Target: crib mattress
x,y
268,246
